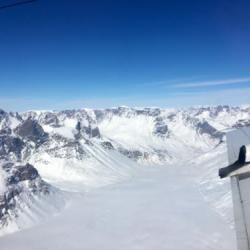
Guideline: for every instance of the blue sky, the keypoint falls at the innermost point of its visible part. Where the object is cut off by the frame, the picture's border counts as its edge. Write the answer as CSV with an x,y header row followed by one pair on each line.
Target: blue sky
x,y
74,54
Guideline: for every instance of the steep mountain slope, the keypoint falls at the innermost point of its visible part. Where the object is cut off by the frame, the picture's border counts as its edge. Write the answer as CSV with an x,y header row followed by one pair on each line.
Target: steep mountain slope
x,y
78,150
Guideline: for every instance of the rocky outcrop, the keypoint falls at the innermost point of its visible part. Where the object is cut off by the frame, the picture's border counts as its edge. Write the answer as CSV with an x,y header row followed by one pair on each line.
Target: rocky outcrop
x,y
133,154
22,173
161,128
11,147
107,145
242,123
31,130
205,128
20,180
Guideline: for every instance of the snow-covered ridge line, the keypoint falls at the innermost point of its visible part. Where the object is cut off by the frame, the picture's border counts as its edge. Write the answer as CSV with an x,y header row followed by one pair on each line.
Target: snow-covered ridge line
x,y
242,106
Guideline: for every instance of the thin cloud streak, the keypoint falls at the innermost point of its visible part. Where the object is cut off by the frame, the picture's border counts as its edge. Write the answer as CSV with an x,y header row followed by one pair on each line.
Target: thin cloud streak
x,y
169,82
212,83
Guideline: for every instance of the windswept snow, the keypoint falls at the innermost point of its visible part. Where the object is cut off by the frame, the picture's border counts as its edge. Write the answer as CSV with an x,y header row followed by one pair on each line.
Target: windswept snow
x,y
129,134
159,209
100,168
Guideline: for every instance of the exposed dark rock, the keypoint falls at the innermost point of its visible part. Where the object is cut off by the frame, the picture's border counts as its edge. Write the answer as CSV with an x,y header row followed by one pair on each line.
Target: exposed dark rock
x,y
95,132
82,131
58,138
31,130
64,148
161,130
15,189
100,114
220,109
2,114
78,134
69,113
7,166
107,145
91,132
159,119
22,173
148,111
88,142
51,119
171,117
10,144
78,126
7,203
242,123
133,154
206,128
5,131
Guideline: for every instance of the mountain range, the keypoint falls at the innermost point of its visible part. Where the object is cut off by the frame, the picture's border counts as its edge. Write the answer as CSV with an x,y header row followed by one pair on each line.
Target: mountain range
x,y
45,156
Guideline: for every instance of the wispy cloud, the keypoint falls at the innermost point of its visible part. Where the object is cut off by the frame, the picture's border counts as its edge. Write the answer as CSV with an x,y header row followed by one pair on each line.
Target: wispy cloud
x,y
169,82
212,83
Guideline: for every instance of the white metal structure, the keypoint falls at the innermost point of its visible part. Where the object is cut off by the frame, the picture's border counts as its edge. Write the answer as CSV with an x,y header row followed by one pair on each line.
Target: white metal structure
x,y
238,144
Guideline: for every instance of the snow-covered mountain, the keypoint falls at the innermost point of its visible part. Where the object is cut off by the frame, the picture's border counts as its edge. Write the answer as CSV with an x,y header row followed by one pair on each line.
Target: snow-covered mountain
x,y
45,154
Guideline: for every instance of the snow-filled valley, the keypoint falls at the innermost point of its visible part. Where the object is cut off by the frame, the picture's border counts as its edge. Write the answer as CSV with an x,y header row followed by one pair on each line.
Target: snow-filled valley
x,y
121,178
157,209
